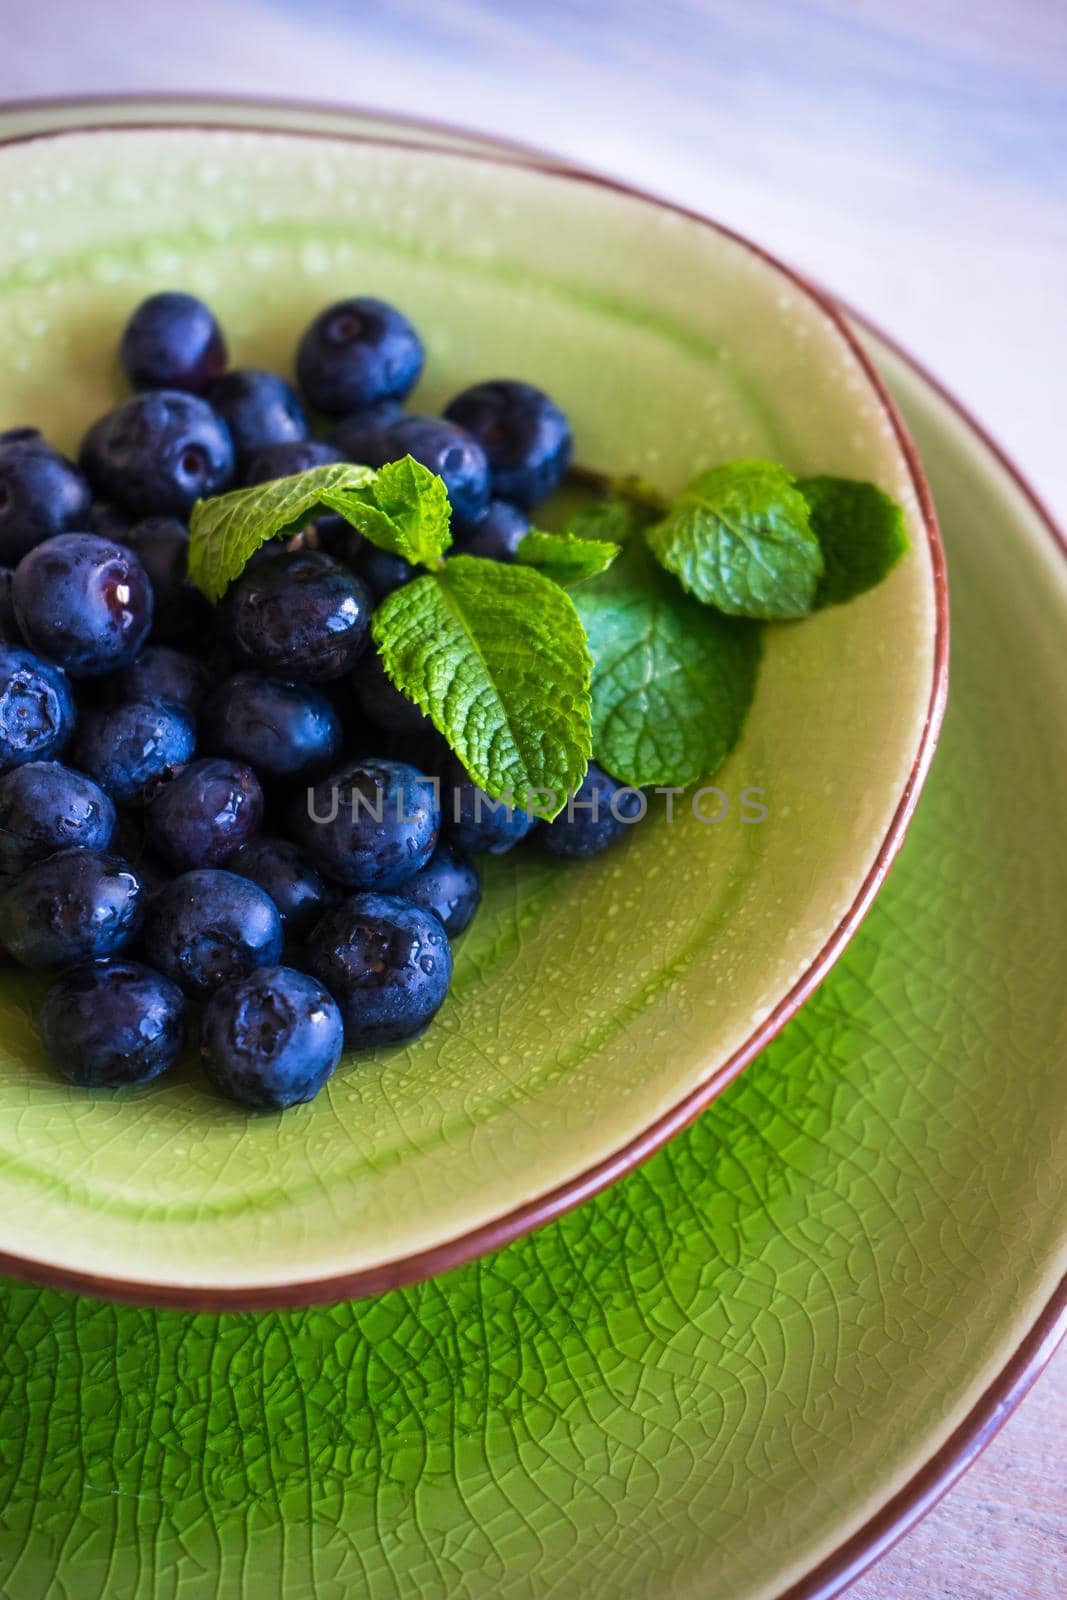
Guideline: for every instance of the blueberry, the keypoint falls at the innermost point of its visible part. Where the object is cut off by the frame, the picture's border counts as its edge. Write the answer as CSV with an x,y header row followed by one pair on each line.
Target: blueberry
x,y
300,615
525,434
474,821
259,408
210,927
204,814
383,702
381,571
496,534
449,886
36,708
41,494
283,730
271,1040
359,436
355,353
455,455
370,825
159,453
172,341
112,1022
300,892
72,906
131,748
163,674
388,964
83,602
10,632
286,459
45,807
595,817
179,611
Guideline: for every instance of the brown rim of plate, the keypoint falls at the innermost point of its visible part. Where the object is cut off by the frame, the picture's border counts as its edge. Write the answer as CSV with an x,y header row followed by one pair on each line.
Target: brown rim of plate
x,y
938,1474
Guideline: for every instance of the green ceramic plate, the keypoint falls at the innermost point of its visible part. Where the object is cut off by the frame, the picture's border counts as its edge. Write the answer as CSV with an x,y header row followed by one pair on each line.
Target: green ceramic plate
x,y
733,1375
593,1010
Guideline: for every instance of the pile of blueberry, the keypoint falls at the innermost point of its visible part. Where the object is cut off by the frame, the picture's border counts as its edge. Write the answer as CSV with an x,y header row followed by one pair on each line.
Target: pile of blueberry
x,y
233,805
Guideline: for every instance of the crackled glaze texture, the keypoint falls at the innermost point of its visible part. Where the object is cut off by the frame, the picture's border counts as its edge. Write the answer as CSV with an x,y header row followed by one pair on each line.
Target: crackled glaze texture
x,y
669,343
708,1376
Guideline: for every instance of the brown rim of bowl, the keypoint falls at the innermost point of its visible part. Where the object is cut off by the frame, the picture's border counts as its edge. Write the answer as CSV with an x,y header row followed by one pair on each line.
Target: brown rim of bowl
x,y
938,1474
545,1207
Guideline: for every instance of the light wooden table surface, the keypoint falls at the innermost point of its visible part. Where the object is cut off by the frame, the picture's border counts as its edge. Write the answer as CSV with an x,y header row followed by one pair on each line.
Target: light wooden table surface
x,y
912,154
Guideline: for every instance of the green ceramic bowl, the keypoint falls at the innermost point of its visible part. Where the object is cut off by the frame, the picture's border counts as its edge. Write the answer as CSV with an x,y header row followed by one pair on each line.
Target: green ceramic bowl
x,y
594,1010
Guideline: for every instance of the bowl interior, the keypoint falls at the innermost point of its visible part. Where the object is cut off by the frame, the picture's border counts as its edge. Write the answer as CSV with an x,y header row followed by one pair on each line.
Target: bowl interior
x,y
587,1001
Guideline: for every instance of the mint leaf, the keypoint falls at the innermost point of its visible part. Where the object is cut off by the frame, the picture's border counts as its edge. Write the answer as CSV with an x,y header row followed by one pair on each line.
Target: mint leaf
x,y
740,539
226,530
497,657
861,532
672,679
405,510
402,508
564,557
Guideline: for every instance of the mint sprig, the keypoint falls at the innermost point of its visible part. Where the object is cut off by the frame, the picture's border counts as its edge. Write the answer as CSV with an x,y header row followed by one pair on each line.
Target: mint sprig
x,y
861,533
403,508
672,679
740,539
565,557
497,657
524,682
226,531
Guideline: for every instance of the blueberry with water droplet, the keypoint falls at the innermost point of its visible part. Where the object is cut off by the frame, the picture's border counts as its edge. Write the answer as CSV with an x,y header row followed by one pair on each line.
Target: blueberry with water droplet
x,y
449,886
299,891
369,825
112,1022
36,708
209,927
201,816
388,964
158,454
130,749
45,807
286,731
271,1040
83,602
72,906
299,615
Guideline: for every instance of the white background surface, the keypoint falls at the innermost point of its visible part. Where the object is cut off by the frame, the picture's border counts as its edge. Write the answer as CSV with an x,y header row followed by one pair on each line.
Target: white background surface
x,y
911,156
